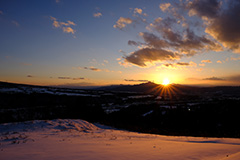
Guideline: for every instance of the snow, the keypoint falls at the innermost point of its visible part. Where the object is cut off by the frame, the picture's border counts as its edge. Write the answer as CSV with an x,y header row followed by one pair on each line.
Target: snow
x,y
77,139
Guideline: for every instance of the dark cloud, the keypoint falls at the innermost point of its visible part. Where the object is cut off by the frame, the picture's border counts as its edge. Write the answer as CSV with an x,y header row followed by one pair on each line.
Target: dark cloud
x,y
133,80
182,64
64,78
153,40
207,8
142,56
80,78
30,76
225,27
133,43
214,79
185,40
92,69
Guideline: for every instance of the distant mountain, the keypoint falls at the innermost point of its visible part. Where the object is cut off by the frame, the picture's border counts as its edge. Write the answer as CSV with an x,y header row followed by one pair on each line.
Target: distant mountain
x,y
145,88
150,88
153,88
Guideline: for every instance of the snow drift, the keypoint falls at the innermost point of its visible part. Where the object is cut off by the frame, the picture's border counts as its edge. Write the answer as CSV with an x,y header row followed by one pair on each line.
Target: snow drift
x,y
77,139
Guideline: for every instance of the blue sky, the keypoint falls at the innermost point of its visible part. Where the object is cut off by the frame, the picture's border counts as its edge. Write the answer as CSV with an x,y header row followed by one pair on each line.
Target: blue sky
x,y
60,42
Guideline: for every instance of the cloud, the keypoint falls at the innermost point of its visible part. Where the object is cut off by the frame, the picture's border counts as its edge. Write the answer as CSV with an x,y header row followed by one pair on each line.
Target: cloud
x,y
164,6
1,12
206,8
57,1
92,69
179,64
68,30
202,64
122,22
80,78
214,79
65,26
219,61
97,15
133,80
145,55
206,61
30,76
15,23
185,40
225,27
64,78
235,59
137,10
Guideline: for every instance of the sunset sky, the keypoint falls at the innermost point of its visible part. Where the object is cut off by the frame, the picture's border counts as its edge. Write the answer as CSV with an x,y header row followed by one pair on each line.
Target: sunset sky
x,y
105,42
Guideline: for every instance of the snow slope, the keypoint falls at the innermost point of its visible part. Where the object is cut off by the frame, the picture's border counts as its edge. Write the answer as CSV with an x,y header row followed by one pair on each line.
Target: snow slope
x,y
79,140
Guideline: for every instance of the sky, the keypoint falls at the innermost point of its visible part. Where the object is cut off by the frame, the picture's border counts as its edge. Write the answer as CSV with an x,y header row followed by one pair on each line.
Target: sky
x,y
94,43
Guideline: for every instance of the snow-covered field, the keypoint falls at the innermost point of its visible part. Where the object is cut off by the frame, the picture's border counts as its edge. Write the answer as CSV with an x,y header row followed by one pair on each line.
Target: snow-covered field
x,y
79,140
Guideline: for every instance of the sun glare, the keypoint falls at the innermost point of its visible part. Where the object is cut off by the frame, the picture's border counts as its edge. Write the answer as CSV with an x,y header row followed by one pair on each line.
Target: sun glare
x,y
166,81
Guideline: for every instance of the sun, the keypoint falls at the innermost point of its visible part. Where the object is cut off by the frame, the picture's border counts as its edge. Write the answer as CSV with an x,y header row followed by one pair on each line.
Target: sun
x,y
166,82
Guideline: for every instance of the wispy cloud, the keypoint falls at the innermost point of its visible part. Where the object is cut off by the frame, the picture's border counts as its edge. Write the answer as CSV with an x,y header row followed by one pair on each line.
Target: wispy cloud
x,y
235,59
15,23
219,61
214,79
97,15
91,68
30,76
65,26
133,80
69,78
206,61
179,64
64,78
122,22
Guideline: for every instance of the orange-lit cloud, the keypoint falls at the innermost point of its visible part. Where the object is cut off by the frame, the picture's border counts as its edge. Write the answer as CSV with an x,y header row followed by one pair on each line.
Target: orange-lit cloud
x,y
202,64
138,10
222,24
122,22
65,26
164,6
219,61
97,15
235,59
203,8
206,61
150,55
179,64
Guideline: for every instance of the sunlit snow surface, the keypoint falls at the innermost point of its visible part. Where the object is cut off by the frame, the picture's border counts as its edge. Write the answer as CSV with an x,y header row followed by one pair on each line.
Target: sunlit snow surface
x,y
80,140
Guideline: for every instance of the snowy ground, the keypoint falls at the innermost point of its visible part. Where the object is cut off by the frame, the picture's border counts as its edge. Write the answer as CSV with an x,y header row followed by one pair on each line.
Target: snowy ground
x,y
80,140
